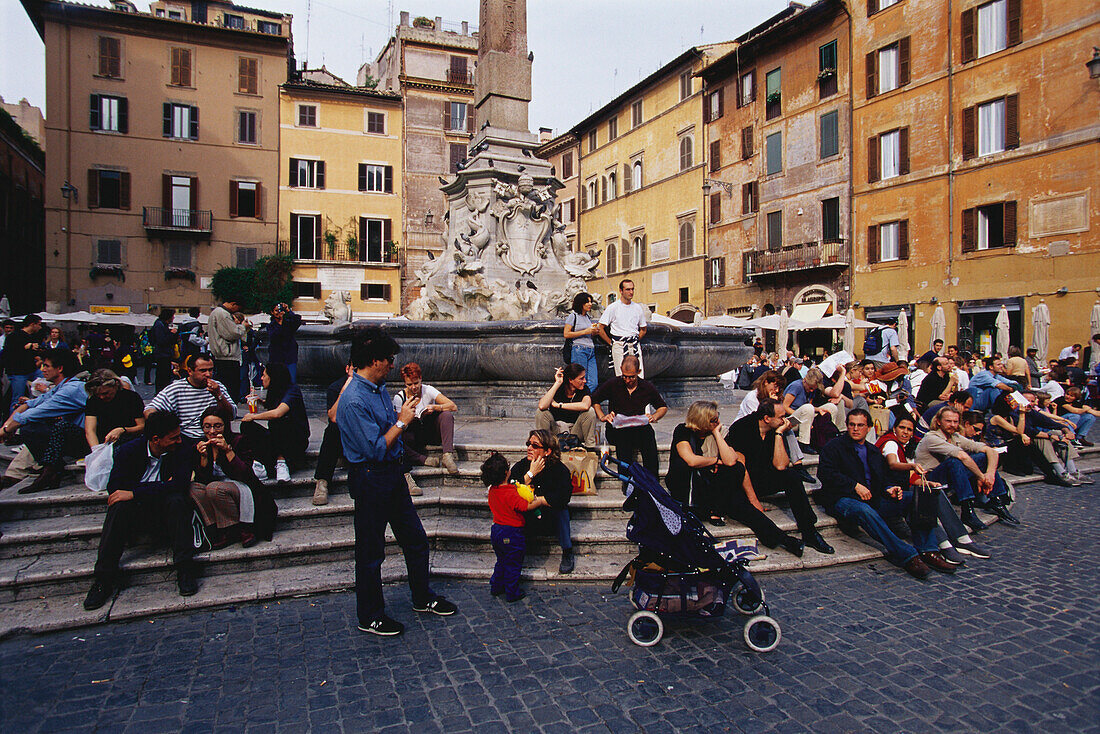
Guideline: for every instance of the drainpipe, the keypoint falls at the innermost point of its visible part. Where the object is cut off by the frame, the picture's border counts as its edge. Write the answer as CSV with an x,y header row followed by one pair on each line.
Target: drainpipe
x,y
950,147
703,208
69,163
851,168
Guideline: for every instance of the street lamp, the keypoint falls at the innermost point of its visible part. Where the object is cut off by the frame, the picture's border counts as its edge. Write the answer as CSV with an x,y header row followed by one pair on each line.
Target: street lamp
x,y
724,185
1093,64
69,191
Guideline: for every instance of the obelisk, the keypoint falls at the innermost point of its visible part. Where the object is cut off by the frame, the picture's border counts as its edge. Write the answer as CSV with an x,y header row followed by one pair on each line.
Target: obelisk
x,y
503,65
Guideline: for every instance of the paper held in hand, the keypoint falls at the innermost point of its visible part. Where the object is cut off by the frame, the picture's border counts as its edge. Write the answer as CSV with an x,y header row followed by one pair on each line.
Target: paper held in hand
x,y
829,364
630,421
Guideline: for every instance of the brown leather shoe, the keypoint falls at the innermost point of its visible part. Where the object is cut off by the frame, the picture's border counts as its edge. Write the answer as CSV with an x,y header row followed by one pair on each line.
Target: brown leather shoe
x,y
936,561
916,568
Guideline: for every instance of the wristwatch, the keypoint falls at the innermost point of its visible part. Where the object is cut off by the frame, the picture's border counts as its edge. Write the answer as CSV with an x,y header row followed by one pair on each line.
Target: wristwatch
x,y
400,425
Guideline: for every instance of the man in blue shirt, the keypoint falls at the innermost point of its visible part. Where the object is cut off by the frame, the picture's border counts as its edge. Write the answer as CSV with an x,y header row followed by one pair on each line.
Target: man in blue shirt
x,y
370,432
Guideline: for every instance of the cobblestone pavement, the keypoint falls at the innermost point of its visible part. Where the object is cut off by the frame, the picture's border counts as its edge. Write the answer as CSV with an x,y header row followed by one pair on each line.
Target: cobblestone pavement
x,y
1008,644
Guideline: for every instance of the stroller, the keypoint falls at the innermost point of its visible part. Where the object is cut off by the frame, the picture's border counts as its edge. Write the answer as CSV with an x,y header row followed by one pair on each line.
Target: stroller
x,y
678,571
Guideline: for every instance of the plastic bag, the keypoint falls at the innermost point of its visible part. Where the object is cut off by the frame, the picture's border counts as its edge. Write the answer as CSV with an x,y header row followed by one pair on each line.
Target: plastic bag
x,y
97,467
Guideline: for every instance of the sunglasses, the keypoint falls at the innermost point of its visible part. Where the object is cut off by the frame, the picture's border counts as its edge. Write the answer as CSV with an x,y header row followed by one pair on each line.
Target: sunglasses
x,y
531,445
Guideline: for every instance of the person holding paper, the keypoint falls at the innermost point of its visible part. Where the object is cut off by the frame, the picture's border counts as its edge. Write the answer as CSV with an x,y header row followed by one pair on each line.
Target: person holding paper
x,y
629,428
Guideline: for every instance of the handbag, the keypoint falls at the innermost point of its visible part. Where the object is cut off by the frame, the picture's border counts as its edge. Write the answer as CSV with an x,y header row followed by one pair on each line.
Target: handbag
x,y
98,466
567,348
582,470
923,512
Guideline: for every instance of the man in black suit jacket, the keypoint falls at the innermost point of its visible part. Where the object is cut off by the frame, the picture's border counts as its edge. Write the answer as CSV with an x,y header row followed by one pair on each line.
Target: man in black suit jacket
x,y
854,487
147,488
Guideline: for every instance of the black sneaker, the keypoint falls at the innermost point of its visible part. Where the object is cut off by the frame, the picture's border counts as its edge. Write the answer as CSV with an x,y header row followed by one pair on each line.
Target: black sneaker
x,y
439,606
974,549
952,556
187,583
384,626
98,595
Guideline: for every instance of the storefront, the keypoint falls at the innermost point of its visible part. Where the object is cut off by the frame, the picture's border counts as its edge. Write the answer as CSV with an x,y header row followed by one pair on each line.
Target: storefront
x,y
977,324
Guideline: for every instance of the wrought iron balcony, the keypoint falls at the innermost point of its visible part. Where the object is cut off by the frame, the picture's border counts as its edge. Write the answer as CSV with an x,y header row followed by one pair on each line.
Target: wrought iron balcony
x,y
341,252
459,76
792,258
195,222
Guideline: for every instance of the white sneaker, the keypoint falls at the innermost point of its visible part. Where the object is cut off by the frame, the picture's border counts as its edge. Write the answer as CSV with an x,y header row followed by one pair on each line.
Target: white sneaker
x,y
282,471
414,490
259,470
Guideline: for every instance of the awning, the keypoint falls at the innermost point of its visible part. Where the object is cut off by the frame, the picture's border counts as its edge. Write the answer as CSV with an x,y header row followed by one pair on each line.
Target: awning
x,y
809,311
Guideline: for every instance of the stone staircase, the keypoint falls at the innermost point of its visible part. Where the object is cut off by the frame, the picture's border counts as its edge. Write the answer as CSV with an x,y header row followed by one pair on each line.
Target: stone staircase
x,y
50,540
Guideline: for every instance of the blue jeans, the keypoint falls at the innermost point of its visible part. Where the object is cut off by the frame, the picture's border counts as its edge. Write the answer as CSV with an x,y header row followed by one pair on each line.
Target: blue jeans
x,y
18,389
961,481
510,545
1083,421
586,357
382,497
872,523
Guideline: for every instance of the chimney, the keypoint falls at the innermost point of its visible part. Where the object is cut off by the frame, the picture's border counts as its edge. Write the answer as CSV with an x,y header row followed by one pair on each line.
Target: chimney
x,y
465,28
546,134
439,22
404,17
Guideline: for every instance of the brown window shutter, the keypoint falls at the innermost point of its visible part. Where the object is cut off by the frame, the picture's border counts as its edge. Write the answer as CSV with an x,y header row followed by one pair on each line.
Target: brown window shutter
x,y
584,197
872,159
446,115
903,61
715,155
706,109
872,244
1010,224
362,176
969,38
752,85
234,190
194,194
387,179
387,232
124,190
294,235
756,196
1012,121
320,174
903,239
970,230
628,182
746,142
1014,27
903,150
362,238
174,77
715,208
259,200
166,191
93,188
746,197
469,119
603,189
872,7
317,227
721,102
970,132
185,67
872,74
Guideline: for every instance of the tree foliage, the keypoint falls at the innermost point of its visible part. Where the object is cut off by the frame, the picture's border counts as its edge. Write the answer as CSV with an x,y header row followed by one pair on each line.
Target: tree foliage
x,y
260,287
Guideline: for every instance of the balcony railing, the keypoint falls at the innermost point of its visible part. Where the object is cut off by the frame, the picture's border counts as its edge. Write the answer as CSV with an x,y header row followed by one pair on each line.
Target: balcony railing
x,y
180,221
804,256
340,252
459,76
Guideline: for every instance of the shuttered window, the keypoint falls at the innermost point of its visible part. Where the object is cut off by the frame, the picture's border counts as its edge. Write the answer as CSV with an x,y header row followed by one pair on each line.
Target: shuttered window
x,y
775,230
244,199
457,154
888,68
750,199
773,146
248,75
108,113
830,134
715,208
746,143
108,189
715,155
110,57
989,226
181,67
991,127
567,165
376,178
990,28
746,88
181,121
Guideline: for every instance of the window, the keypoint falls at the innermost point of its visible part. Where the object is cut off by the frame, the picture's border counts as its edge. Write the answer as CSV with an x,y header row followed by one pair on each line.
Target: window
x,y
687,239
109,114
612,188
376,178
773,146
568,211
712,109
624,256
304,289
244,199
746,88
611,253
246,127
746,142
716,272
456,117
307,115
181,121
638,251
989,227
830,220
685,85
888,242
248,75
567,165
888,68
636,114
374,291
179,254
235,22
376,122
873,6
305,236
108,252
775,230
773,84
890,147
180,200
716,207
374,236
266,26
307,174
990,28
458,72
110,57
686,157
246,257
830,135
181,67
750,197
593,193
591,140
636,180
715,155
888,155
612,129
827,70
457,156
108,189
991,127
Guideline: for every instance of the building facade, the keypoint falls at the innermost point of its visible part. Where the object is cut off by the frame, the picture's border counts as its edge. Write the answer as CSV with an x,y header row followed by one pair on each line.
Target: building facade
x,y
777,120
641,169
162,161
432,66
562,152
22,219
340,192
976,151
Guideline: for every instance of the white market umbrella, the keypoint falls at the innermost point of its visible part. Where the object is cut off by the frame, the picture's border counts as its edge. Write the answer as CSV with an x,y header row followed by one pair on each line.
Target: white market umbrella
x,y
849,330
771,323
782,332
939,326
836,321
1040,324
903,335
1002,330
732,322
1094,319
656,318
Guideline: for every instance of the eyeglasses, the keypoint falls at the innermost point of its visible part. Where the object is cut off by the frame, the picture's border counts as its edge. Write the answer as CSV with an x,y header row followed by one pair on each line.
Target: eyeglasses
x,y
213,426
531,445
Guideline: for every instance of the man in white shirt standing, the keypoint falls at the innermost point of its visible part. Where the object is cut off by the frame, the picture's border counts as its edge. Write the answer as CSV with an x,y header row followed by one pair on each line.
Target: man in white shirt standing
x,y
623,326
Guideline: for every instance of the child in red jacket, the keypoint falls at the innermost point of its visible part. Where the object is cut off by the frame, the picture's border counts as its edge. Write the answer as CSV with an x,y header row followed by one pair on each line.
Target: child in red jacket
x,y
509,542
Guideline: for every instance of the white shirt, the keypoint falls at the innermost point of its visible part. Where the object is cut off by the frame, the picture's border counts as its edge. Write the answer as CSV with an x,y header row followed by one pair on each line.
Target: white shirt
x,y
748,405
963,378
891,448
1066,353
428,394
152,471
1053,389
624,321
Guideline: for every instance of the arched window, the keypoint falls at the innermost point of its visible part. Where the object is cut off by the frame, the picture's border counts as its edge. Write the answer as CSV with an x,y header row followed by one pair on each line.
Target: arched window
x,y
638,251
636,176
687,240
686,158
612,192
593,193
611,258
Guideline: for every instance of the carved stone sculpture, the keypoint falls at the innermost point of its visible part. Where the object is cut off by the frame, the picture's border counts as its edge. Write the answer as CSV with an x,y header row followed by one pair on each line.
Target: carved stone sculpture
x,y
337,307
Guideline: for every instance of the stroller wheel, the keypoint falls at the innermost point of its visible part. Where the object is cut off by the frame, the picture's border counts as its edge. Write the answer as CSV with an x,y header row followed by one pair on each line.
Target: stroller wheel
x,y
740,601
762,633
645,628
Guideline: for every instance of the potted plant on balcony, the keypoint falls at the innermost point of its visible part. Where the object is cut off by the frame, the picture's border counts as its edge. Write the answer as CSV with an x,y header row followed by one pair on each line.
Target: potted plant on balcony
x,y
180,274
826,74
352,243
391,251
424,21
330,242
774,98
113,270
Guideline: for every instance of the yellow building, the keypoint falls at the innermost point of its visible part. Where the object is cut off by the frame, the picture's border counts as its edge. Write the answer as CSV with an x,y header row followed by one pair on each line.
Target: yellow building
x,y
340,204
641,170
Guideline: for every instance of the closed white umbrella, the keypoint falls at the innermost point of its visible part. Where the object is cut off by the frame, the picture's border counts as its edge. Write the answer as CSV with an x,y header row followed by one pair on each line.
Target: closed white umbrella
x,y
939,326
850,331
782,333
903,335
1094,319
1040,324
1002,330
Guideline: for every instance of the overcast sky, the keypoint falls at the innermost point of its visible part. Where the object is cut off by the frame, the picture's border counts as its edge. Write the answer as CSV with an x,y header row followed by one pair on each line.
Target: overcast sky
x,y
586,51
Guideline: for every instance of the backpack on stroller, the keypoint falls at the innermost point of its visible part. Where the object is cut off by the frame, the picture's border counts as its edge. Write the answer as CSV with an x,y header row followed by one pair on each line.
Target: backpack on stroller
x,y
678,570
